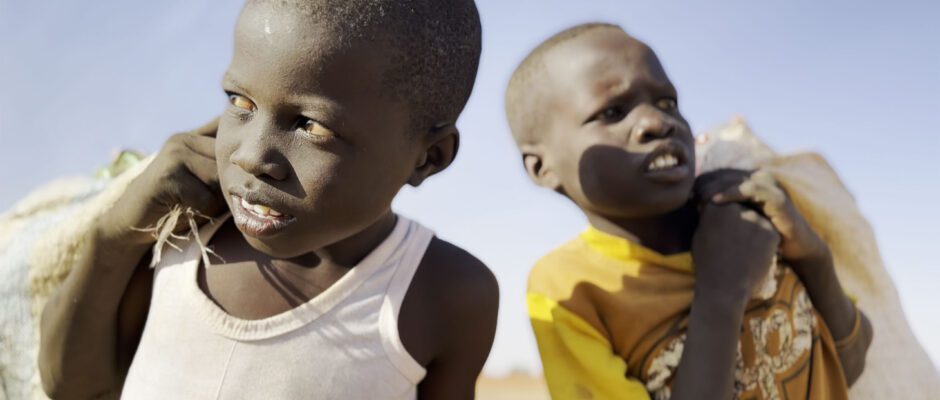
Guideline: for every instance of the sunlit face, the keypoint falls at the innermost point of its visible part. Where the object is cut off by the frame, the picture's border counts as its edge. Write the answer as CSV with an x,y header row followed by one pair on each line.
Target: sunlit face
x,y
615,140
311,150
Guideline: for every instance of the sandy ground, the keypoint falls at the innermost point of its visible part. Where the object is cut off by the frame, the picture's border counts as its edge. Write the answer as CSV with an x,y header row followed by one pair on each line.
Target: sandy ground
x,y
512,387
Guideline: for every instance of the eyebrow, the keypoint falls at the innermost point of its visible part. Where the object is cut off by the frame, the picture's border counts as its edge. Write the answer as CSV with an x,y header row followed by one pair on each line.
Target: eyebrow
x,y
228,80
627,89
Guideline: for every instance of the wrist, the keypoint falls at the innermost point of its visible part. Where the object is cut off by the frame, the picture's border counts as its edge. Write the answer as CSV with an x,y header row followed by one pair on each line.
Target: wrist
x,y
721,300
814,264
112,233
814,252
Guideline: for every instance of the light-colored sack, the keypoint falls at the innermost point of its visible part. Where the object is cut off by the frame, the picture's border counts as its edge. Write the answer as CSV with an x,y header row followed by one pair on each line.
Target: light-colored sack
x,y
896,366
39,240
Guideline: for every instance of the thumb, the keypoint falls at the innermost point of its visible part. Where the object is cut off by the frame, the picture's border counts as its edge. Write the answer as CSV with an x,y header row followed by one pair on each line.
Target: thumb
x,y
208,129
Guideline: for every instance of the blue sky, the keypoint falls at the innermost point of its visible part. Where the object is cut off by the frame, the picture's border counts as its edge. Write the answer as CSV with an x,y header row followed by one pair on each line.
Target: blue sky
x,y
857,81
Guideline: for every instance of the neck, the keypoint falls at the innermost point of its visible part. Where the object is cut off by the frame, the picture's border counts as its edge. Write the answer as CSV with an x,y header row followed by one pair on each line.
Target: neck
x,y
350,251
668,233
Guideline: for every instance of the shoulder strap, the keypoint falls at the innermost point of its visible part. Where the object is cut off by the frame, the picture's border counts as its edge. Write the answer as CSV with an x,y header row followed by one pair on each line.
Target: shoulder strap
x,y
418,240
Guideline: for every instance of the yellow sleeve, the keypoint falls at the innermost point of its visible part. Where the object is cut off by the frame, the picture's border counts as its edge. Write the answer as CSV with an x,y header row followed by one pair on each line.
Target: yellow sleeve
x,y
578,362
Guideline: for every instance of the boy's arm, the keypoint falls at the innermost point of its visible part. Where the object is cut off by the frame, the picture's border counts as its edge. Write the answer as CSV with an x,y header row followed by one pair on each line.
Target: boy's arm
x,y
807,254
706,369
733,248
850,328
91,325
448,320
84,342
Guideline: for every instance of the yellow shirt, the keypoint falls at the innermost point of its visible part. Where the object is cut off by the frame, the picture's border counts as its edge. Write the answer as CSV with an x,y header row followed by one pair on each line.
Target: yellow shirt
x,y
610,318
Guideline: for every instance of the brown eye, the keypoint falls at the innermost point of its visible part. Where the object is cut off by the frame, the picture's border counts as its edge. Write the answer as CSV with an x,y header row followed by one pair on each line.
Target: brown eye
x,y
667,104
612,114
241,102
316,129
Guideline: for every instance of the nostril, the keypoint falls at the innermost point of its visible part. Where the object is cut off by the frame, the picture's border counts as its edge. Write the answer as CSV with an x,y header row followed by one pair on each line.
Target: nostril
x,y
669,130
276,171
656,131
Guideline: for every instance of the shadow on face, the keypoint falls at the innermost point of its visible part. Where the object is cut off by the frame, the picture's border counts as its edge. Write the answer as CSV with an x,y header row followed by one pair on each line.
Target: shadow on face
x,y
614,182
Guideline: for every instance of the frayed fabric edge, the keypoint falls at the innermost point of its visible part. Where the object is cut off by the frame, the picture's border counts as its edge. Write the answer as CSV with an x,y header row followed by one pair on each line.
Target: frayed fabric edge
x,y
162,231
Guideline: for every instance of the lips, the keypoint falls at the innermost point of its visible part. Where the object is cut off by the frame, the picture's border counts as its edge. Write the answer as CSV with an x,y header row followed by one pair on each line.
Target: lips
x,y
256,216
668,163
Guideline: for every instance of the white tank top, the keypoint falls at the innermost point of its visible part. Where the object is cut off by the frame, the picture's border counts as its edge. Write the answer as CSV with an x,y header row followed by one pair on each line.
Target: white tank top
x,y
342,344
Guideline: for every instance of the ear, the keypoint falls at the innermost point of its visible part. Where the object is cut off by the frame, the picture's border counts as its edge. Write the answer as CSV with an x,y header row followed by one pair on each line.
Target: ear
x,y
442,143
539,171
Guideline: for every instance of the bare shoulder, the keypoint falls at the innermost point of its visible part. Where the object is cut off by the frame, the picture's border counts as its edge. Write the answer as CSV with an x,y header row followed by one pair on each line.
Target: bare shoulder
x,y
454,271
453,298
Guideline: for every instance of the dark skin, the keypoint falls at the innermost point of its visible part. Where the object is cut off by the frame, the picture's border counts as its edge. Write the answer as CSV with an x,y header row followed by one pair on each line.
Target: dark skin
x,y
309,133
609,111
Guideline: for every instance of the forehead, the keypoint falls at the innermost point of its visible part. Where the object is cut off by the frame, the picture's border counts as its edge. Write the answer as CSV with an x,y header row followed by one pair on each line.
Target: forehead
x,y
280,51
601,64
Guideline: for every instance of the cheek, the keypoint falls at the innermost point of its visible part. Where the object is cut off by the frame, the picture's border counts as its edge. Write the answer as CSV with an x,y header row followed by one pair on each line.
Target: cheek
x,y
346,184
608,177
612,183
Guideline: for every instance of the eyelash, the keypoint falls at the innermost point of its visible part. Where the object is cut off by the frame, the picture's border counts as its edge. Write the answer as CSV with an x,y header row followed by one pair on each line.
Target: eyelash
x,y
621,111
302,123
240,112
605,114
243,114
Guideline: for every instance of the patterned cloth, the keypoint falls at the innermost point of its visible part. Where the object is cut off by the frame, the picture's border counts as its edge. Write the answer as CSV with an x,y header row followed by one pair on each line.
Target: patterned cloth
x,y
610,317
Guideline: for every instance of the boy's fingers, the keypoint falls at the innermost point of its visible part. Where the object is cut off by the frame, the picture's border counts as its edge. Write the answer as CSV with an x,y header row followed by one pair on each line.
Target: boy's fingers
x,y
209,129
709,184
205,169
765,196
202,145
205,200
743,192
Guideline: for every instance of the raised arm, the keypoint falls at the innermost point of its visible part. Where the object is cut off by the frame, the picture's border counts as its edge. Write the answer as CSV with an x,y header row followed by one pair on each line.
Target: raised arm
x,y
806,252
734,248
91,325
850,328
84,347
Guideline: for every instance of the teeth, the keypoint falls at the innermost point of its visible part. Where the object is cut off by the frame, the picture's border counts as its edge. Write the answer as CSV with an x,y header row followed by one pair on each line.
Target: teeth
x,y
664,161
260,209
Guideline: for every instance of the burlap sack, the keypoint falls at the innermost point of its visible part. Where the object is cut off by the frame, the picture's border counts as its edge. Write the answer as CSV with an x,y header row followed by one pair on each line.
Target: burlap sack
x,y
897,366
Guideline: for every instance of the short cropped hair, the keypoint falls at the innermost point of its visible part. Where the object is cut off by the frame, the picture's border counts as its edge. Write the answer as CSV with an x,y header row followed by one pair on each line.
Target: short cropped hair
x,y
521,103
435,45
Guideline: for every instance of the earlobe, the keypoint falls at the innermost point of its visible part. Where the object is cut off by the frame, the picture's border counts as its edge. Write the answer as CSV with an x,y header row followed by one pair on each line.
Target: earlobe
x,y
538,171
443,142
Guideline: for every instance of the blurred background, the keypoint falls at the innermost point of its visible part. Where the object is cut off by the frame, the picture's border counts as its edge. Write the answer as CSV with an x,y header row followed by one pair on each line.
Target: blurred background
x,y
856,81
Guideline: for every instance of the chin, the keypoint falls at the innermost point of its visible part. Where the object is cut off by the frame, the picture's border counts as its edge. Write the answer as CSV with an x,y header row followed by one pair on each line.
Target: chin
x,y
663,203
666,207
272,247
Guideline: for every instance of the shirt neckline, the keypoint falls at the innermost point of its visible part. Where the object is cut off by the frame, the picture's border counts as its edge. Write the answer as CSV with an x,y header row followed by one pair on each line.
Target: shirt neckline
x,y
244,329
621,249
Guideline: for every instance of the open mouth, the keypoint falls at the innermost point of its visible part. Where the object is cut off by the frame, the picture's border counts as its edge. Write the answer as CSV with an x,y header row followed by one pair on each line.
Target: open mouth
x,y
259,210
668,163
664,161
258,219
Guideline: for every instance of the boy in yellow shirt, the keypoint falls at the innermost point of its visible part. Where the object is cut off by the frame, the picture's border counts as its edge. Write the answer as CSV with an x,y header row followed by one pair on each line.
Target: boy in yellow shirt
x,y
621,311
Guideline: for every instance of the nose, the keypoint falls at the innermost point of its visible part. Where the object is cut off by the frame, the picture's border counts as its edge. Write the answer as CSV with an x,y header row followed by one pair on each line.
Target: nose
x,y
653,125
256,158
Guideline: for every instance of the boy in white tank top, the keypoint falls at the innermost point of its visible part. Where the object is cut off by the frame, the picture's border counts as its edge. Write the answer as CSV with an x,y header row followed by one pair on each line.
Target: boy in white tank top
x,y
323,292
